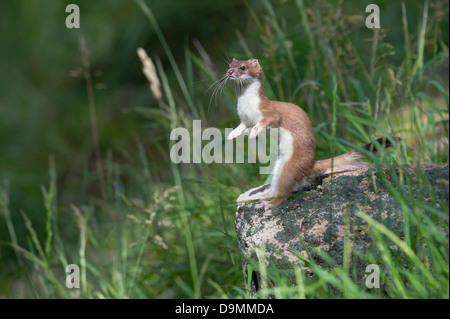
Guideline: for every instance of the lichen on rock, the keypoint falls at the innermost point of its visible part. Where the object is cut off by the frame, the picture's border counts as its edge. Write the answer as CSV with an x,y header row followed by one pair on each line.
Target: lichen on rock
x,y
321,215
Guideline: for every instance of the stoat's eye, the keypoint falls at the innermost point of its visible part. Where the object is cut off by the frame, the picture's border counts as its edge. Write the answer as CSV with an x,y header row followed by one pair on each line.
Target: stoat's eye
x,y
242,68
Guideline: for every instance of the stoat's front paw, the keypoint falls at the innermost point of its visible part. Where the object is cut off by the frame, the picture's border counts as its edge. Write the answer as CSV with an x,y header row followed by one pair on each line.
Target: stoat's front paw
x,y
233,135
255,131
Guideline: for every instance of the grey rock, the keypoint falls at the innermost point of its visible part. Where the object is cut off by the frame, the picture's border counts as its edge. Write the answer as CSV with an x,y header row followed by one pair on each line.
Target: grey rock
x,y
316,216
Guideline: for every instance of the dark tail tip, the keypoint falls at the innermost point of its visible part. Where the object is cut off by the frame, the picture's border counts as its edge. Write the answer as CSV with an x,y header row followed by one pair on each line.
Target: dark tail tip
x,y
383,141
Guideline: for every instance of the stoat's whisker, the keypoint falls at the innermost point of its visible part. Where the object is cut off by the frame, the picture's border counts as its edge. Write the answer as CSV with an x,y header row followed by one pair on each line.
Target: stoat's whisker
x,y
219,87
218,84
221,78
222,86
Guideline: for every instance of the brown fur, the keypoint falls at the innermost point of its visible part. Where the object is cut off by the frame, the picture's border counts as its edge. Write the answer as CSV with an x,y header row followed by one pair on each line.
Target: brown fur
x,y
293,119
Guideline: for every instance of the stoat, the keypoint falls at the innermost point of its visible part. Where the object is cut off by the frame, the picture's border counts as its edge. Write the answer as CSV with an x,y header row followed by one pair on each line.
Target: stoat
x,y
296,151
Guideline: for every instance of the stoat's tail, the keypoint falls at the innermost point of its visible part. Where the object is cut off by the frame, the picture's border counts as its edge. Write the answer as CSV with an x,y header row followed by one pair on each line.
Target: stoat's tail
x,y
320,167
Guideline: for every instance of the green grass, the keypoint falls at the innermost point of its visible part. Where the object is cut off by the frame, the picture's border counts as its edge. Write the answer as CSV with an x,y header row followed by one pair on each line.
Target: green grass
x,y
165,230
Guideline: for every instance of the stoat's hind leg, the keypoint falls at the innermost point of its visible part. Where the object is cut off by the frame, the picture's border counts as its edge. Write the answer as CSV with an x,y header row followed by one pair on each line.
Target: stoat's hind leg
x,y
269,200
286,184
278,192
264,204
266,195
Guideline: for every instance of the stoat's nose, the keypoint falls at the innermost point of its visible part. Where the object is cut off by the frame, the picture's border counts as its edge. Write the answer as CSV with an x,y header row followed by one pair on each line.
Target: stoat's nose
x,y
230,72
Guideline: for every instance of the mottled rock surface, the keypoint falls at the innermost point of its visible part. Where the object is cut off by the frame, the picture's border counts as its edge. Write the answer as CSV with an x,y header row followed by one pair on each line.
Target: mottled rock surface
x,y
316,214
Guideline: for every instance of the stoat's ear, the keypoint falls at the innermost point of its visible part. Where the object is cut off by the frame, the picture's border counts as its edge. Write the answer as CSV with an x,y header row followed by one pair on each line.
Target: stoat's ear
x,y
234,60
254,61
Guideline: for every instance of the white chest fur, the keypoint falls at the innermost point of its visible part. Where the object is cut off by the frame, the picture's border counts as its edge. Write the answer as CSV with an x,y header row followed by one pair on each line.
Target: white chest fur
x,y
248,105
285,151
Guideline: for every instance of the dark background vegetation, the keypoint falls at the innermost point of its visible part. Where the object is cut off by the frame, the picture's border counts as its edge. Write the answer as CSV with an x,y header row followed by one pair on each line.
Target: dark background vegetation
x,y
44,113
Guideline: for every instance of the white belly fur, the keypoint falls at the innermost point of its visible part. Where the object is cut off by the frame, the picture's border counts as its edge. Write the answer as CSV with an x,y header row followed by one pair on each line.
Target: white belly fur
x,y
248,105
285,150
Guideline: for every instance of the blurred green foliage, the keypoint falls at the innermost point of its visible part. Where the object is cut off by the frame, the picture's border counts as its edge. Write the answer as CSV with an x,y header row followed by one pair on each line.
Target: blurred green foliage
x,y
44,111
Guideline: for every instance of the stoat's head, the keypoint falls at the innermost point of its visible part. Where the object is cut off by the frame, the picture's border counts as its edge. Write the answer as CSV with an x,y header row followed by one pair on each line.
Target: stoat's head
x,y
244,70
